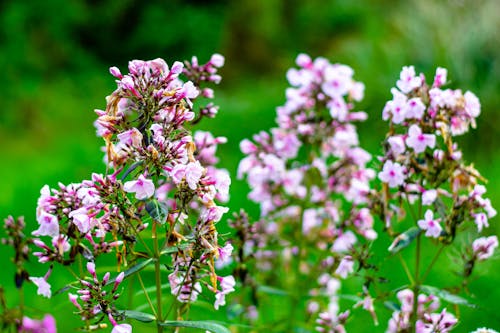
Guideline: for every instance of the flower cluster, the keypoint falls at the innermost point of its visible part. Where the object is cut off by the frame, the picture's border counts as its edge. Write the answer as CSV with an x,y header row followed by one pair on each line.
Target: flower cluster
x,y
423,163
161,176
428,320
305,172
96,302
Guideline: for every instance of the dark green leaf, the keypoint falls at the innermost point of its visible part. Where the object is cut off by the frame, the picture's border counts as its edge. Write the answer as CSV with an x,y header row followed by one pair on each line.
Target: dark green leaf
x,y
157,211
440,208
130,169
140,316
393,306
134,269
272,291
203,325
446,296
404,239
174,249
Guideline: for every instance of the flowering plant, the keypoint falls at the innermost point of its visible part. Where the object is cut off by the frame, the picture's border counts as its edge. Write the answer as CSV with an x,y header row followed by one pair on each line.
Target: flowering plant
x,y
154,206
332,218
319,201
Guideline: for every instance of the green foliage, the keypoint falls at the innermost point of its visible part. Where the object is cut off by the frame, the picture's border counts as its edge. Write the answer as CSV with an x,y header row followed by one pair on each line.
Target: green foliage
x,y
55,55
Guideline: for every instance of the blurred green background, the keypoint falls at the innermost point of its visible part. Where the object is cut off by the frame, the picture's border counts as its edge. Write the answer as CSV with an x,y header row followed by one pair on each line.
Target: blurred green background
x,y
55,55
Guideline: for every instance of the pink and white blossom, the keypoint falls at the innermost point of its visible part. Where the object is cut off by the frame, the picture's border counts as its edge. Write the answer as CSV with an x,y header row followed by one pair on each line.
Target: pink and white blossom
x,y
431,226
142,187
419,141
392,173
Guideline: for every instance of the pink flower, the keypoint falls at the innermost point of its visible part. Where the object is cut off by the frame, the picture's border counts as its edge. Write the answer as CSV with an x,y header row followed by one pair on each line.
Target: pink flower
x,y
440,77
43,286
345,267
428,197
142,187
481,221
431,226
419,141
396,108
415,108
217,60
472,105
132,138
122,328
194,171
484,247
46,325
408,81
392,173
49,225
397,144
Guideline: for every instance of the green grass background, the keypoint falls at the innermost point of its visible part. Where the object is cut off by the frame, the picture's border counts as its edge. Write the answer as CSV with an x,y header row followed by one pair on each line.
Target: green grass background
x,y
55,55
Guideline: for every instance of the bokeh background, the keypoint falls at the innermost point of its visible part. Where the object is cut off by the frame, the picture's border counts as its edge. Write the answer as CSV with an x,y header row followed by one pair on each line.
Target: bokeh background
x,y
55,55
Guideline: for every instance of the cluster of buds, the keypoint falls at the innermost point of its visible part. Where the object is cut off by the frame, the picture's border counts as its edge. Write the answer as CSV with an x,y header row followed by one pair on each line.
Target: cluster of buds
x,y
16,239
428,320
305,172
95,303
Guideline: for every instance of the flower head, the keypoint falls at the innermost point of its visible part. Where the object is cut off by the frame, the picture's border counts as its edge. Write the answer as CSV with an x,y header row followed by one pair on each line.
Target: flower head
x,y
430,225
142,187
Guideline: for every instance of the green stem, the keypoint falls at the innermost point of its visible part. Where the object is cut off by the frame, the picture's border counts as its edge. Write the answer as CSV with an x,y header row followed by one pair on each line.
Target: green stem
x,y
147,295
407,270
159,317
434,260
416,286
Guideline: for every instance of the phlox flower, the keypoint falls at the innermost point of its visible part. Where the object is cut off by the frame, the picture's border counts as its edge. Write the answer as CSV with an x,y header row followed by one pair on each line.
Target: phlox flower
x,y
142,187
43,286
193,173
481,221
440,77
415,108
49,225
397,144
472,105
408,80
484,247
344,242
418,140
396,108
392,173
132,138
430,225
428,197
346,266
484,330
122,328
46,325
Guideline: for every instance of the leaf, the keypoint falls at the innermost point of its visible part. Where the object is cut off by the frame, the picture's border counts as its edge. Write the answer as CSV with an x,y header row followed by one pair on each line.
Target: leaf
x,y
174,249
130,169
440,208
203,325
404,240
393,306
157,210
272,291
447,296
140,316
134,269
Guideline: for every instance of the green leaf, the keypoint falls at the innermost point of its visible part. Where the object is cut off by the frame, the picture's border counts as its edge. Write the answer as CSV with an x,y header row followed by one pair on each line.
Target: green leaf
x,y
447,296
393,306
272,291
174,249
140,316
130,169
404,240
203,325
157,210
134,269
